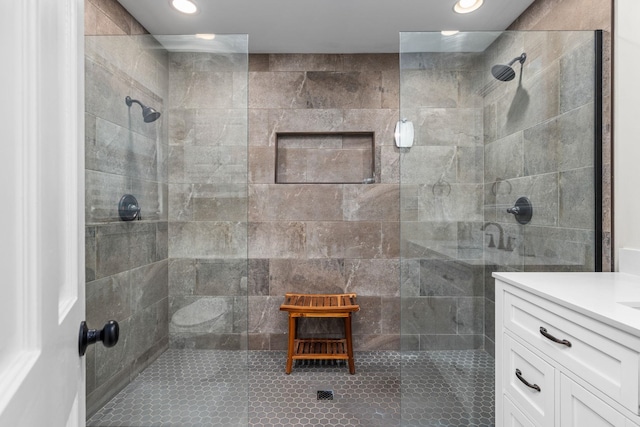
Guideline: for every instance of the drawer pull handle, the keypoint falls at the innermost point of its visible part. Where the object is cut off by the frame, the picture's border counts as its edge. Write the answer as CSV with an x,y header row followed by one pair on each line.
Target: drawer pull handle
x,y
525,382
544,332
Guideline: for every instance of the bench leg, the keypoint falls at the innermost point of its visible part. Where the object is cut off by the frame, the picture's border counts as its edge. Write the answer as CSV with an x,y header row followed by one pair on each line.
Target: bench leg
x,y
292,337
347,335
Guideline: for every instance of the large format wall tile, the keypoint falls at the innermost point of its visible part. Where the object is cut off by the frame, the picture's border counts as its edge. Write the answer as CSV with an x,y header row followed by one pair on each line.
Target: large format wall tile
x,y
208,239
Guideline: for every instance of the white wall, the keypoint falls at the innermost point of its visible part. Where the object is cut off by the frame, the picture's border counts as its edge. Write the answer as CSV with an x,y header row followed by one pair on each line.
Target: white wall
x,y
626,123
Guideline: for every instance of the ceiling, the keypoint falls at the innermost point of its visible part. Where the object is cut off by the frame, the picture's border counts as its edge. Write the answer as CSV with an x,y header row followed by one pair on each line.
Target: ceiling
x,y
322,26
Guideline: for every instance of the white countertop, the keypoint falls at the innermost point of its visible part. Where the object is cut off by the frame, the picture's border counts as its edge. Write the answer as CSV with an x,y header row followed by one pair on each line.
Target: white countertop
x,y
608,297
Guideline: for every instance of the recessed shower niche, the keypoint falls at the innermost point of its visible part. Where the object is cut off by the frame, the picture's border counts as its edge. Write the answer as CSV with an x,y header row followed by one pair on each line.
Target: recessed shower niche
x,y
325,157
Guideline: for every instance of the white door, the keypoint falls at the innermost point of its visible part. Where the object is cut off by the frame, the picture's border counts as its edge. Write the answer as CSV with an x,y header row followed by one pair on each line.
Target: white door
x,y
41,213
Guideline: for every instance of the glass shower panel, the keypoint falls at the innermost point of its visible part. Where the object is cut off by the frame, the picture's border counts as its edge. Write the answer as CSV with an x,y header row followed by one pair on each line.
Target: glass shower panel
x,y
498,117
176,277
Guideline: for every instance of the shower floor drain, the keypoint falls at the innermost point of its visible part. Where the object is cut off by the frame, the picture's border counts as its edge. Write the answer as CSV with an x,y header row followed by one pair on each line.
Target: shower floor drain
x,y
325,394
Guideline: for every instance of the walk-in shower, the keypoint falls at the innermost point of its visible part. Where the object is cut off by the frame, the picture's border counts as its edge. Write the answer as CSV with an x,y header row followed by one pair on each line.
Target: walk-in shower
x,y
416,231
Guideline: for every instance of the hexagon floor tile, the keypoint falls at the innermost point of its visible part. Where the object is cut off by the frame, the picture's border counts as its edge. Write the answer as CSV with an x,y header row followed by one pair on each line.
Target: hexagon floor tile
x,y
194,388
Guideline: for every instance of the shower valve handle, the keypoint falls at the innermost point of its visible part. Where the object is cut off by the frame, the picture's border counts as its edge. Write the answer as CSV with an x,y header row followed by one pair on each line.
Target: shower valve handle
x,y
523,210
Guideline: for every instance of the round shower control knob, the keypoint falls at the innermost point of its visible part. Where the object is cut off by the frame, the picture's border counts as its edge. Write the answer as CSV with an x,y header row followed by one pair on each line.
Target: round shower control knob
x,y
523,210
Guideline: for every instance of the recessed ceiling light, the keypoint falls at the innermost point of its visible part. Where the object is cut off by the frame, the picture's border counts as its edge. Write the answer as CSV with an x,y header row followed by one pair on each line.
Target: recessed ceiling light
x,y
184,6
449,32
206,36
466,6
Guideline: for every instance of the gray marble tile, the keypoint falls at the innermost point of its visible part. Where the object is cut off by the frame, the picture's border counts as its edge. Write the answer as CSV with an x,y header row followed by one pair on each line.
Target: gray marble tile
x,y
558,249
368,320
276,90
389,165
265,315
448,126
418,316
201,89
471,315
148,327
208,239
258,280
378,202
301,119
277,239
307,276
262,162
221,277
296,202
90,253
565,142
207,165
296,62
326,239
429,239
108,299
439,277
577,77
410,277
220,127
489,319
428,165
182,277
391,313
354,89
577,197
446,202
162,240
149,284
381,122
503,159
428,88
372,277
121,247
451,342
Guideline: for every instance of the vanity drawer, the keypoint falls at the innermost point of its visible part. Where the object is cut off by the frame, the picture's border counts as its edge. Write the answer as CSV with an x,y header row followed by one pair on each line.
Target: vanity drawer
x,y
521,365
593,351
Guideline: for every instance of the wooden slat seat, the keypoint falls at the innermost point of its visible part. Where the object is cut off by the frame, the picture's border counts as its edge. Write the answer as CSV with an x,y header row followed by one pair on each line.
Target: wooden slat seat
x,y
320,305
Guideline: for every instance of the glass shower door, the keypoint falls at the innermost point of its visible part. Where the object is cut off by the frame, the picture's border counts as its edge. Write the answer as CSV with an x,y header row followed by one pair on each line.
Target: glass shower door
x,y
499,119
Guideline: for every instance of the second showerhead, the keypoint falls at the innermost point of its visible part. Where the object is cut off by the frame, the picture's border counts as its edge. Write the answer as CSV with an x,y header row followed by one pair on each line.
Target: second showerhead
x,y
504,73
148,114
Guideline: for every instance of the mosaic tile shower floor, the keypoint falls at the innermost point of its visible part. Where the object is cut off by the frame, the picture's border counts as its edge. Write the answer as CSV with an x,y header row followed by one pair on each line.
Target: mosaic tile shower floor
x,y
197,388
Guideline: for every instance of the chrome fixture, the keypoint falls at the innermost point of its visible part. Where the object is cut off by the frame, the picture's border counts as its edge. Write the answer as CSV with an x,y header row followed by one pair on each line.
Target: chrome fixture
x,y
504,73
148,114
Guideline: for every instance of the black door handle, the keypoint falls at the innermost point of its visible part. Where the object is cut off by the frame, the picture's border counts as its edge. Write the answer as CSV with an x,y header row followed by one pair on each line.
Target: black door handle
x,y
108,335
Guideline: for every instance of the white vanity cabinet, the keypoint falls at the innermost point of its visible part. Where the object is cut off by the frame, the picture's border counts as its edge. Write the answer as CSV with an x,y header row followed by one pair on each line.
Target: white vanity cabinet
x,y
567,349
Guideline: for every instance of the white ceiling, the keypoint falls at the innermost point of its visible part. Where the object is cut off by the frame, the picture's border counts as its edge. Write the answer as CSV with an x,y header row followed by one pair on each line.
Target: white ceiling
x,y
322,26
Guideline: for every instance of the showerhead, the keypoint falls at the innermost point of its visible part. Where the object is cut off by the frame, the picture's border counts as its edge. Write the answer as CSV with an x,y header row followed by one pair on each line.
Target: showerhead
x,y
504,73
148,114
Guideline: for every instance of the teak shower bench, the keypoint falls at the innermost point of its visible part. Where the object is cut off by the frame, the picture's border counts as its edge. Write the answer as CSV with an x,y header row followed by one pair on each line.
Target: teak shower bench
x,y
320,305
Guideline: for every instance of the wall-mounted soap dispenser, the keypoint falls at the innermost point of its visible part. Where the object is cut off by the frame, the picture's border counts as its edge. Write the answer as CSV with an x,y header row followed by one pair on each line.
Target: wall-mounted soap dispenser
x,y
404,133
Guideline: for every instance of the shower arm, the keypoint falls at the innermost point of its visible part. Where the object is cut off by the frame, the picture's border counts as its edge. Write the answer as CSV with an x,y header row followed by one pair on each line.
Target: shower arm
x,y
520,59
